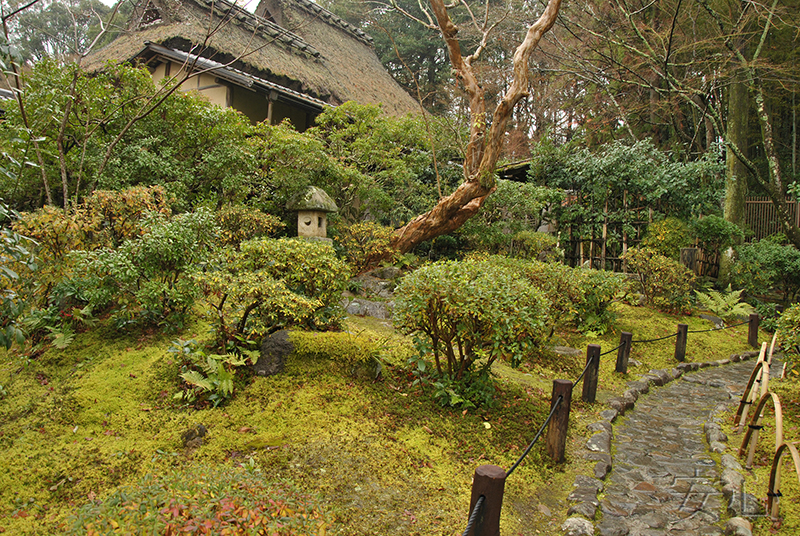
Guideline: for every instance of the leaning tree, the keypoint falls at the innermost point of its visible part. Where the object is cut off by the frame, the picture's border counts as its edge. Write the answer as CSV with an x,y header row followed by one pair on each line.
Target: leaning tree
x,y
486,130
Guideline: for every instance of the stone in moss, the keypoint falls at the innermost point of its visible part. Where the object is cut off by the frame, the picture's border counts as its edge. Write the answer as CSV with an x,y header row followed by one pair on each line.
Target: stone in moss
x,y
274,350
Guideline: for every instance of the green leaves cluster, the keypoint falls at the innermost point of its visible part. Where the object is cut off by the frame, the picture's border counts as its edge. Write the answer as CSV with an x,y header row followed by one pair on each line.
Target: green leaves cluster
x,y
468,311
208,378
508,219
576,296
726,305
15,256
149,277
766,265
666,284
270,284
789,333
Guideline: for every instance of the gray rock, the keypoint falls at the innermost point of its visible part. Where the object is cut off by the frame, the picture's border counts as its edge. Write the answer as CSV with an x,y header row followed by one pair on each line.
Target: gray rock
x,y
620,405
274,350
598,457
600,442
735,358
744,504
719,384
663,376
612,527
193,437
632,394
732,479
386,272
583,481
585,509
738,526
610,415
703,365
639,386
577,526
722,362
675,373
361,307
718,323
566,350
730,462
717,447
600,426
601,470
714,433
634,363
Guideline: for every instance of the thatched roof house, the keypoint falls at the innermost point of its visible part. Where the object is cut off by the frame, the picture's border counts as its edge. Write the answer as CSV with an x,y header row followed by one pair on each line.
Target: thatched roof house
x,y
288,60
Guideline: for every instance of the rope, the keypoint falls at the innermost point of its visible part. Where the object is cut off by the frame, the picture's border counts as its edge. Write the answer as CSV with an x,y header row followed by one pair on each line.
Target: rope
x,y
583,373
612,350
474,515
719,329
538,434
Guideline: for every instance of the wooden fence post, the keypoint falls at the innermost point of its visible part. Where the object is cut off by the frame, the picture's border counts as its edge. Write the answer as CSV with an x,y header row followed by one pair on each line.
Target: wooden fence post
x,y
752,331
680,342
624,352
589,392
557,430
489,481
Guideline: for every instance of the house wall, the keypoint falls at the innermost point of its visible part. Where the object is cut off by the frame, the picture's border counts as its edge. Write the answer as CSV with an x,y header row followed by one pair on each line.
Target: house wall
x,y
252,104
205,84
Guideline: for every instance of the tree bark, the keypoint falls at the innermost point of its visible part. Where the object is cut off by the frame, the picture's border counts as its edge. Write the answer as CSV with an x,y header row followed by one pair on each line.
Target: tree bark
x,y
484,148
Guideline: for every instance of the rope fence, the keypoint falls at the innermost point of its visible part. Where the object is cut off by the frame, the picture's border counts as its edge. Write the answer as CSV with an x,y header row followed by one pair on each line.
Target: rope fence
x,y
488,483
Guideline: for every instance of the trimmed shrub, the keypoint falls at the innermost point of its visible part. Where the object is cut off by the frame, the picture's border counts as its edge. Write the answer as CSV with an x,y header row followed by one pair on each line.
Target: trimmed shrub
x,y
789,333
716,234
766,265
470,310
536,246
149,278
271,284
239,223
665,283
667,237
362,241
577,296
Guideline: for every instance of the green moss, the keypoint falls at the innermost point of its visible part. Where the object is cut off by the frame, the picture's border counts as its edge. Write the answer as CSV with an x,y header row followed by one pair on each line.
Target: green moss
x,y
79,424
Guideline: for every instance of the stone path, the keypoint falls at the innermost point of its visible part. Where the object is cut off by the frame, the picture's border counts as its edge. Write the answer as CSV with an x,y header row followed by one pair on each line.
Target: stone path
x,y
664,480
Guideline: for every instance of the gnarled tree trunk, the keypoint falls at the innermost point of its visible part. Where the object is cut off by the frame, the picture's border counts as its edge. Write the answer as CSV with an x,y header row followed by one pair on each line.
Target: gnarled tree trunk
x,y
485,138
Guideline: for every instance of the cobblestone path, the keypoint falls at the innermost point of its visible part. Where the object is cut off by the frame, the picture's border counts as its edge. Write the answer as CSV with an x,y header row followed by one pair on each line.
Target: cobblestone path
x,y
664,481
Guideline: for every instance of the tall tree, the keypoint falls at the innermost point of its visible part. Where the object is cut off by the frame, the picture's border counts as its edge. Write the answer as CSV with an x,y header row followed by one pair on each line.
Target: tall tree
x,y
487,130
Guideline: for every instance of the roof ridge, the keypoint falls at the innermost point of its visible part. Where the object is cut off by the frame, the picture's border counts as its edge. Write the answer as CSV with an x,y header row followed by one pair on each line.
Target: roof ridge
x,y
260,24
316,9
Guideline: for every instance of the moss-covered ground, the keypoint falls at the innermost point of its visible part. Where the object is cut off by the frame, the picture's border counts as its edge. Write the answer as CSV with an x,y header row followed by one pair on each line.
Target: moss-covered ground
x,y
379,457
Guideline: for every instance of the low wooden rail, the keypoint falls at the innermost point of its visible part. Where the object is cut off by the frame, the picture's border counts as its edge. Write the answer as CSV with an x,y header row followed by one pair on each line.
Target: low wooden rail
x,y
488,483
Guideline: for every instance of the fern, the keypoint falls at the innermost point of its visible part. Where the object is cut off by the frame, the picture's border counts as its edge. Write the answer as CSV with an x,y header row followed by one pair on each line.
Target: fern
x,y
728,305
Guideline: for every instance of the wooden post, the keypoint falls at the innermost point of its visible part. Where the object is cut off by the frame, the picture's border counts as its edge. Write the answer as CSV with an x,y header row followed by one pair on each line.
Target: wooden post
x,y
489,481
624,352
557,430
752,331
589,392
680,342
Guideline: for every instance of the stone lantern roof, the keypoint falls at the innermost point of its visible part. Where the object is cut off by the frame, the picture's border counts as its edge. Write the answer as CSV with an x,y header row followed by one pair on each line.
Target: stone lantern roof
x,y
313,200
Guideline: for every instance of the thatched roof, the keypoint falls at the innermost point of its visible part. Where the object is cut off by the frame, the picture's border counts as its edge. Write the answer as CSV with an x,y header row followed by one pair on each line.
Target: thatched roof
x,y
294,44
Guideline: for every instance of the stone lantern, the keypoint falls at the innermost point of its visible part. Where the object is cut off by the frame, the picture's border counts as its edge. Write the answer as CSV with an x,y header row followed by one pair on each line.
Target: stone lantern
x,y
312,209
